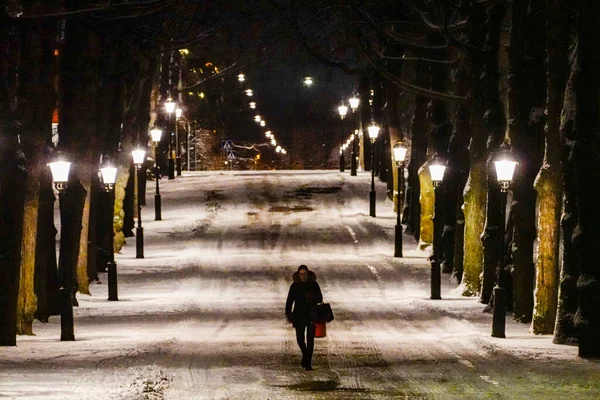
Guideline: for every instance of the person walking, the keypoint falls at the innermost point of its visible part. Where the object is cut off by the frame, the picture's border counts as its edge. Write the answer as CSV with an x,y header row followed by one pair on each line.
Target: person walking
x,y
303,296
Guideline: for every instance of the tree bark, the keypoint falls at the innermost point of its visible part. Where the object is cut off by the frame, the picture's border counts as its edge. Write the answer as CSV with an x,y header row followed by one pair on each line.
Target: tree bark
x,y
586,157
527,98
474,195
564,331
548,183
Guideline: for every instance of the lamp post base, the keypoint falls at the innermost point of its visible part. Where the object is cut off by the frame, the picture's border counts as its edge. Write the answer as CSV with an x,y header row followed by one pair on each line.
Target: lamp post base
x,y
157,208
372,203
171,168
436,280
342,163
65,296
499,318
398,241
353,165
112,281
139,242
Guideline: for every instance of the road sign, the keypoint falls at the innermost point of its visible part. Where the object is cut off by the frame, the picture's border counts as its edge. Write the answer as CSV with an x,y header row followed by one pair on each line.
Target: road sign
x,y
230,155
227,145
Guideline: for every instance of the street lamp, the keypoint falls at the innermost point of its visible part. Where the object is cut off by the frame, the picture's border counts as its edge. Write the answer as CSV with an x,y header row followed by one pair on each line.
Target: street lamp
x,y
505,168
354,102
60,176
252,105
138,159
436,171
308,81
342,110
399,156
156,135
241,77
109,177
170,109
373,132
178,114
249,92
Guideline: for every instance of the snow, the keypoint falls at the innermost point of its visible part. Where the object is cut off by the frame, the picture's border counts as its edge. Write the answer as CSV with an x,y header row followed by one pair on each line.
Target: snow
x,y
201,317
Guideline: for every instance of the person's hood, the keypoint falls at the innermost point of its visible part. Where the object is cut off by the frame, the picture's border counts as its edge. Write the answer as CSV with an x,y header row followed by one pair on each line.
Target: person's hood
x,y
311,277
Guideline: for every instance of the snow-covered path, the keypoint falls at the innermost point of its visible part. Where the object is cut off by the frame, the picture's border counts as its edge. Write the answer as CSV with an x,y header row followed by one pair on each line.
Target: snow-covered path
x,y
201,317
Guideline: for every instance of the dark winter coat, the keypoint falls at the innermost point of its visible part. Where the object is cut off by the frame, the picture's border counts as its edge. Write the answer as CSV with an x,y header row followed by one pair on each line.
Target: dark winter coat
x,y
303,296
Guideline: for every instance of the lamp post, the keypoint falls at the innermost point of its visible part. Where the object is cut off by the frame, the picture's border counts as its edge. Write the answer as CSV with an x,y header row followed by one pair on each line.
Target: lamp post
x,y
156,134
436,171
373,133
170,109
178,114
138,159
354,101
399,156
342,110
505,168
60,177
109,177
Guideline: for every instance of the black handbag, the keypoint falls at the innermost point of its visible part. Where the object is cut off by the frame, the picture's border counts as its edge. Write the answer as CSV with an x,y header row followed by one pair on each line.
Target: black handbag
x,y
322,313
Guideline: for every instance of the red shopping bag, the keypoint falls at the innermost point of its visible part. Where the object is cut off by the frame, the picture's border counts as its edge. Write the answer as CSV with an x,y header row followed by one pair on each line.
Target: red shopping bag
x,y
320,330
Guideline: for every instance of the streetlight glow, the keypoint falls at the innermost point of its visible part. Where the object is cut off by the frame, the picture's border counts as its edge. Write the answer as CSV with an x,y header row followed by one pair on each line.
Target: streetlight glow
x,y
169,105
138,157
436,171
354,101
342,110
373,132
60,173
241,77
178,113
308,81
399,152
156,134
249,92
109,176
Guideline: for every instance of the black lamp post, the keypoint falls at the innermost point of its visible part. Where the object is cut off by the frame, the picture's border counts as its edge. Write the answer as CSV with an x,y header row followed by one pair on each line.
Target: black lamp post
x,y
354,101
138,159
109,177
60,177
178,114
436,171
399,156
373,133
505,168
156,135
342,110
170,109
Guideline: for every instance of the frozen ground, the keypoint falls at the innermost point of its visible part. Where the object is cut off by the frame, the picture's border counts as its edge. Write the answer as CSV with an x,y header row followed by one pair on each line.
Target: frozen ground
x,y
201,317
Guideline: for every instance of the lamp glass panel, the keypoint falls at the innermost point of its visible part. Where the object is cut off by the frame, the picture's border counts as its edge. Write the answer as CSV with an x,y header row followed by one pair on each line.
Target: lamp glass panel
x,y
343,110
354,101
169,105
436,171
109,175
399,153
178,113
156,134
373,131
505,170
60,170
138,156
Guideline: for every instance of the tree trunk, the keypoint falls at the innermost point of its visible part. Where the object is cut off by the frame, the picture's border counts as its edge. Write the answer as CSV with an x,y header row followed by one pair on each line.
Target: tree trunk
x,y
564,331
586,157
13,175
527,97
548,183
418,155
27,304
45,258
35,104
474,195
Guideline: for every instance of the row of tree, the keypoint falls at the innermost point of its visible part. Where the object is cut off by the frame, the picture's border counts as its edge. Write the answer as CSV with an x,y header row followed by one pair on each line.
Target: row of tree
x,y
457,80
